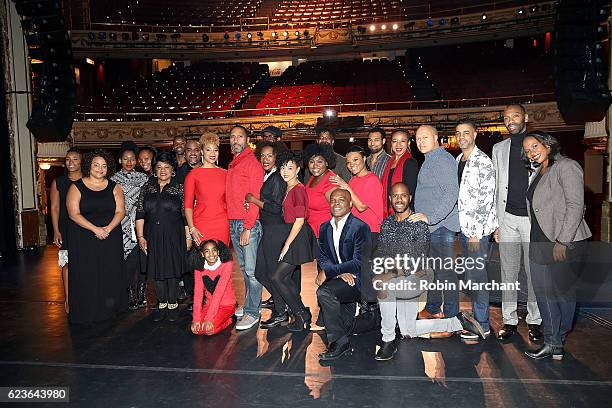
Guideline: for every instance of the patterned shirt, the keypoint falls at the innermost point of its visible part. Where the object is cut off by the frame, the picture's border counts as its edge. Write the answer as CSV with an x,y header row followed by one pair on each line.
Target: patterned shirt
x,y
130,183
381,163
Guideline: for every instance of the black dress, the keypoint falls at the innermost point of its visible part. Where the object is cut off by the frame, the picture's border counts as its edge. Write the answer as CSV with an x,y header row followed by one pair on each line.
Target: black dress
x,y
96,285
164,229
63,183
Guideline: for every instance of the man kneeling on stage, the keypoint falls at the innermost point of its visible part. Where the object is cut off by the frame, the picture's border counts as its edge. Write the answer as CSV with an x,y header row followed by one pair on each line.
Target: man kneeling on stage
x,y
342,241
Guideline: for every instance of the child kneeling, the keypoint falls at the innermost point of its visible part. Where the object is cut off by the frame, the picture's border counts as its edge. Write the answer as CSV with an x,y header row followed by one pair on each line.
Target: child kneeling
x,y
214,301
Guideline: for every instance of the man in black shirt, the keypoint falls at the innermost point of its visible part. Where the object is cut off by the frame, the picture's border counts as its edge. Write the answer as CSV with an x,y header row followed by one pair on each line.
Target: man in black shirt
x,y
178,147
512,179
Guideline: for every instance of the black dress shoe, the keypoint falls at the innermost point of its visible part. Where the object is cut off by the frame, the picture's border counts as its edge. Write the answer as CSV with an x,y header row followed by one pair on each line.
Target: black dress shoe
x,y
386,351
159,314
535,333
470,324
173,314
506,332
301,321
268,304
546,351
336,351
276,320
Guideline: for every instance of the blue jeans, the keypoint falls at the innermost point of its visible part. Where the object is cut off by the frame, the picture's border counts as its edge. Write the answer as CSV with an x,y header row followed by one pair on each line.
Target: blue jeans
x,y
247,257
477,273
442,247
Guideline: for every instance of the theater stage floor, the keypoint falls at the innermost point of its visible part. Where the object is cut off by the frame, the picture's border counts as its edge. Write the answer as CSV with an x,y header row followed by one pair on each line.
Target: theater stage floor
x,y
134,362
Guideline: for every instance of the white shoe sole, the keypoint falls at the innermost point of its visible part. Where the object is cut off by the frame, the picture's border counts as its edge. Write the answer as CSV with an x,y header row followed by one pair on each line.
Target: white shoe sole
x,y
247,327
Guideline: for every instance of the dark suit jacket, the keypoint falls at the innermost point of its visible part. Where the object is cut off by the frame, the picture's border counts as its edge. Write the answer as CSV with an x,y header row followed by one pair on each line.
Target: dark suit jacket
x,y
355,238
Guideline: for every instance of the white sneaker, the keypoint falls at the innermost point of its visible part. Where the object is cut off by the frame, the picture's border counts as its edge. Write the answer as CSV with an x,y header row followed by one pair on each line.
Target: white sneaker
x,y
468,335
239,312
246,322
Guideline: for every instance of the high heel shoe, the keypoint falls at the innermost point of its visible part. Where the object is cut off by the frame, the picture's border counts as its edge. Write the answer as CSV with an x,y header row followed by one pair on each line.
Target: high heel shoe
x,y
301,321
556,352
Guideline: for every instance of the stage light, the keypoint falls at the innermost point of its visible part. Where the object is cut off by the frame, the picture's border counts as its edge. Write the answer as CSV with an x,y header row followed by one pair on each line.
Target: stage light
x,y
102,35
521,11
352,139
297,34
454,21
45,166
259,34
285,34
90,61
483,17
238,35
429,23
145,37
113,36
372,28
383,27
395,26
226,36
274,34
205,37
249,35
442,22
330,113
91,36
534,9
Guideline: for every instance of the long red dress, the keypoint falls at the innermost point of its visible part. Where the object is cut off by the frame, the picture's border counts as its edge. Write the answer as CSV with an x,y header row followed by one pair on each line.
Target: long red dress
x,y
205,193
318,205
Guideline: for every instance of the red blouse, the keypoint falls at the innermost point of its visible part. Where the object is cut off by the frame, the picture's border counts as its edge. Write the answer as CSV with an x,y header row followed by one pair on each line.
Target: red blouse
x,y
222,296
318,205
295,204
370,191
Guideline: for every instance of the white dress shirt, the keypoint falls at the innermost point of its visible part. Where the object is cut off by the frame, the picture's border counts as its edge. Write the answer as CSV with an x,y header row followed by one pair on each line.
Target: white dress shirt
x,y
337,232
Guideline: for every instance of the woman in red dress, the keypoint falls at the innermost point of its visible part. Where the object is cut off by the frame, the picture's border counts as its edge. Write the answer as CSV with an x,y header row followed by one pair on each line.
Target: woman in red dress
x,y
205,206
319,158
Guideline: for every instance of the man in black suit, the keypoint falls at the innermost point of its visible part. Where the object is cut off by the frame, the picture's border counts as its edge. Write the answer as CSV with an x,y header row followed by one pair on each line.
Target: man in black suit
x,y
342,243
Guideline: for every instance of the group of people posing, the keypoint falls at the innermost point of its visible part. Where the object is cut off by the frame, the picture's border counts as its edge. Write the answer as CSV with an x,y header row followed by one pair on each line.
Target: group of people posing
x,y
174,219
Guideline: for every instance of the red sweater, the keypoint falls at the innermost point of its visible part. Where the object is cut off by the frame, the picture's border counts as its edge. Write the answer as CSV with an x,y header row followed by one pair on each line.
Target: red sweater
x,y
223,295
244,175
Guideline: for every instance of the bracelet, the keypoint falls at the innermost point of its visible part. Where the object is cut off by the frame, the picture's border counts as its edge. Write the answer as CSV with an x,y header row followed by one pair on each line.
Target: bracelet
x,y
189,238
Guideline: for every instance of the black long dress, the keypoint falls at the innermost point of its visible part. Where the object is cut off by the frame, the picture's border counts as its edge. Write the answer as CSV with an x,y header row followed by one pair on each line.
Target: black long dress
x,y
96,286
164,229
63,183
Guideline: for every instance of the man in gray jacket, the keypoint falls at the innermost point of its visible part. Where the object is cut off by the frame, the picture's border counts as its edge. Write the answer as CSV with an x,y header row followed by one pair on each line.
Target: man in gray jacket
x,y
512,180
436,204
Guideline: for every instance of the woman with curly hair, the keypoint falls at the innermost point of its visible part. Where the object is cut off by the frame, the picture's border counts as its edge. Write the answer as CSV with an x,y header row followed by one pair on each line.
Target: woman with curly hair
x,y
162,233
96,207
205,206
214,301
319,158
131,181
270,204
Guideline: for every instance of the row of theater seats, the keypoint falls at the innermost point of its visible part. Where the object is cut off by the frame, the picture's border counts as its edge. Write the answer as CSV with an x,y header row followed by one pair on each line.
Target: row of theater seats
x,y
501,72
294,12
357,85
304,12
176,12
204,88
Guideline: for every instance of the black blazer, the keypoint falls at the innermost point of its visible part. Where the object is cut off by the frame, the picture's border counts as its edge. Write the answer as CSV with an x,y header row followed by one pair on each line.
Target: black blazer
x,y
355,238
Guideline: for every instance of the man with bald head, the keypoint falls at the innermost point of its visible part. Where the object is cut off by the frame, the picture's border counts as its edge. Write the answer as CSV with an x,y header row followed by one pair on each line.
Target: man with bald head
x,y
435,203
513,234
342,241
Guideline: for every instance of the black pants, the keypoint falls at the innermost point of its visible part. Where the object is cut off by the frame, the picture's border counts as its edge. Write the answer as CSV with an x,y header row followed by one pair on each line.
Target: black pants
x,y
368,294
188,281
284,289
166,290
338,303
132,269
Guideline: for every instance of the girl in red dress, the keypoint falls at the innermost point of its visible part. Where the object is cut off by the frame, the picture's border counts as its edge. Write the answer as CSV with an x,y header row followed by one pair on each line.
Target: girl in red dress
x,y
213,287
319,158
205,206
